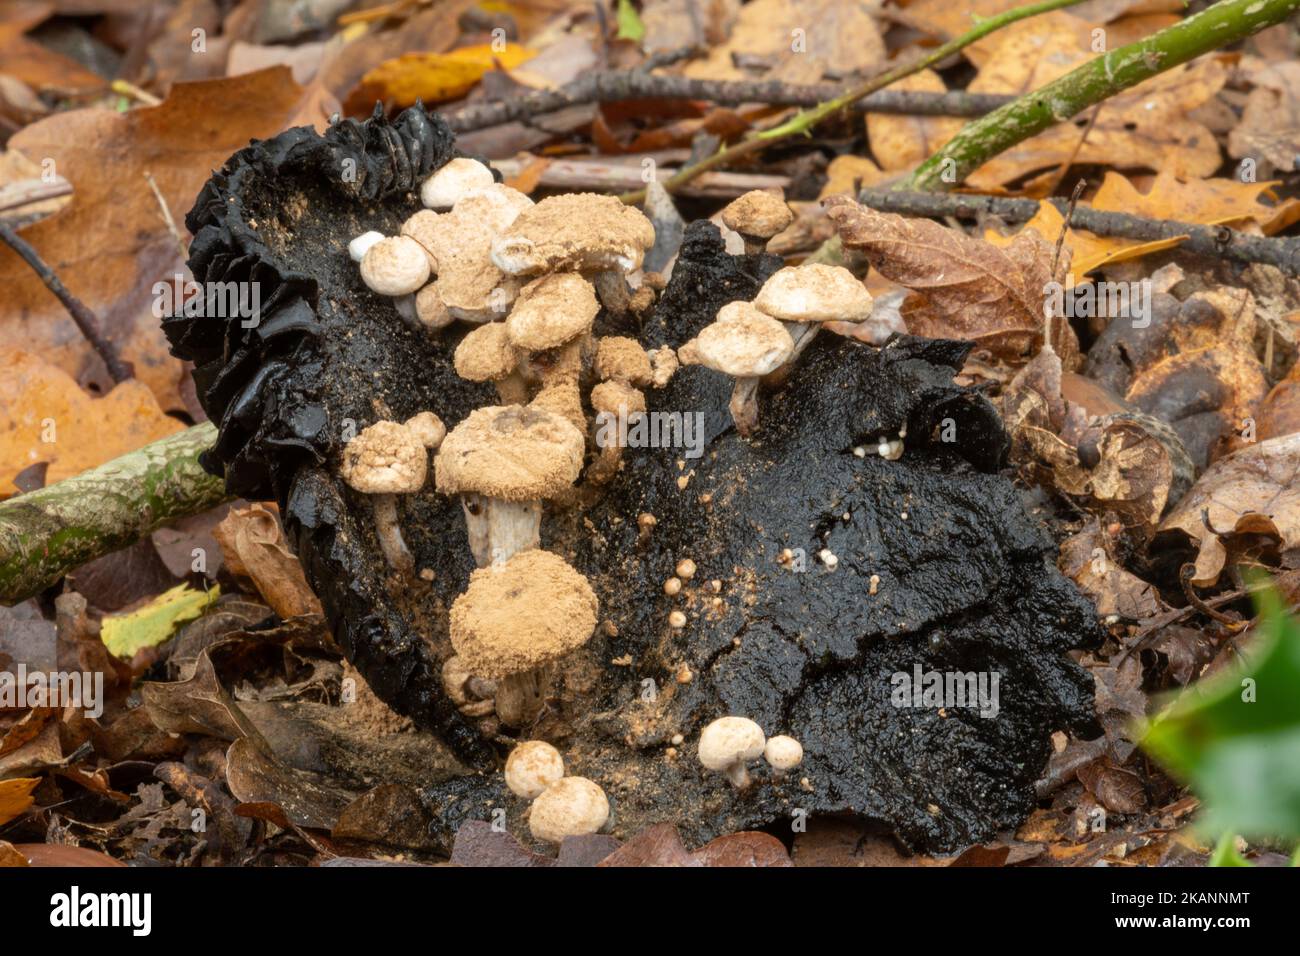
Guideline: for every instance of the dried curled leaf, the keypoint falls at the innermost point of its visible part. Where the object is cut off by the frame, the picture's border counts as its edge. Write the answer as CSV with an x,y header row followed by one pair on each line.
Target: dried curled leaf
x,y
973,290
253,545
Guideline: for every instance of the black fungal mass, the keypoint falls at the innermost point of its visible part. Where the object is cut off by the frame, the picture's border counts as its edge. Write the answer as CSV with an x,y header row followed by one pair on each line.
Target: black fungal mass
x,y
937,569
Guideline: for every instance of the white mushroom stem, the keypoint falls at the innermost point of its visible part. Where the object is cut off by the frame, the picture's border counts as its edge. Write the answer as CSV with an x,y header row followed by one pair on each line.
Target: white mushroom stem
x,y
744,405
389,530
499,529
519,697
754,245
738,775
611,289
803,333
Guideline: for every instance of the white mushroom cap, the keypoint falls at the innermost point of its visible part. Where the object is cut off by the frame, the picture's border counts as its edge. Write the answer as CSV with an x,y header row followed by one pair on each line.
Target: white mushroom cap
x,y
814,292
580,231
386,458
428,428
451,182
743,342
499,203
728,742
396,265
574,806
783,753
532,767
358,246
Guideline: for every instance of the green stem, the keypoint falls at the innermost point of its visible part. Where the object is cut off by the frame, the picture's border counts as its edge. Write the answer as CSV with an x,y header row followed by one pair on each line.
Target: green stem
x,y
45,534
1216,26
803,121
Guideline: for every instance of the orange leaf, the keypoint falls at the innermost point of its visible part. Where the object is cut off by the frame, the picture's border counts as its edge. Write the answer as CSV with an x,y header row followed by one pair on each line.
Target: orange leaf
x,y
16,797
435,77
45,416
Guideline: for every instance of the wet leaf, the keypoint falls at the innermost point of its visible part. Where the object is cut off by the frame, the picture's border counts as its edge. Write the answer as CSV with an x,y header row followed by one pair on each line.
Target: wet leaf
x,y
309,800
155,622
16,797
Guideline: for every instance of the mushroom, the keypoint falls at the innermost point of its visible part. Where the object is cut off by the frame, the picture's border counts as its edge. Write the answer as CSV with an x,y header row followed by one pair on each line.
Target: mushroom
x,y
428,428
473,696
486,355
613,402
621,359
564,399
552,313
452,181
726,745
585,232
395,266
745,344
458,243
806,296
758,215
517,618
532,767
782,754
664,365
504,461
358,246
385,460
430,311
574,806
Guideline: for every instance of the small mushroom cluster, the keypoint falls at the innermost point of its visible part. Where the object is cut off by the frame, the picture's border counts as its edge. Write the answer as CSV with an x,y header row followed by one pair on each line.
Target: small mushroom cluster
x,y
729,743
751,340
562,806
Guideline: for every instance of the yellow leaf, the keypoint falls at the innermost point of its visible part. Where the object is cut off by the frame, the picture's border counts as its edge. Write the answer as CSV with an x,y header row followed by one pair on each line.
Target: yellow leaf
x,y
1087,251
436,77
16,797
124,634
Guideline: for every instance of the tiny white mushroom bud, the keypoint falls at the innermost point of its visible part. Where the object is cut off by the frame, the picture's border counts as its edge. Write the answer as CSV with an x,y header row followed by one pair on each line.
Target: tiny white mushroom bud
x,y
358,247
453,181
728,743
573,806
783,753
395,266
532,767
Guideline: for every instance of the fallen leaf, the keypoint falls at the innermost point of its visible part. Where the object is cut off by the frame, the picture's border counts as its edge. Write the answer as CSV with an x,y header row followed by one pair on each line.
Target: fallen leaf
x,y
992,296
433,77
1280,412
1087,560
124,634
309,800
47,854
38,66
1252,491
16,797
1269,130
254,547
45,416
847,174
110,245
902,142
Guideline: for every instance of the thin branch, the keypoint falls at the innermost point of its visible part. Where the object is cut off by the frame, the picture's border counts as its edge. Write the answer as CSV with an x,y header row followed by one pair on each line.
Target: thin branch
x,y
28,191
86,321
1215,241
613,86
803,122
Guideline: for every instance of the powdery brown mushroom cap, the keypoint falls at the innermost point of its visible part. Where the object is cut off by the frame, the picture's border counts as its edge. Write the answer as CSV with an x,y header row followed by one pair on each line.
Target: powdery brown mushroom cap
x,y
521,614
552,310
758,213
730,740
814,292
532,767
574,806
743,342
386,458
430,310
485,354
396,265
622,359
458,243
578,231
428,428
452,181
499,204
511,452
615,397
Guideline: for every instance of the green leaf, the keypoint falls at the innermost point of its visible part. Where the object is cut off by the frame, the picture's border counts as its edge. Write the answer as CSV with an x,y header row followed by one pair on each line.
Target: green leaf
x,y
1225,852
1235,738
630,26
152,624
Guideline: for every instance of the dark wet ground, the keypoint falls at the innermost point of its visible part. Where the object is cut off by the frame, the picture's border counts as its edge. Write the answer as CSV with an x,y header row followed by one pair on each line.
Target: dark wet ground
x,y
966,579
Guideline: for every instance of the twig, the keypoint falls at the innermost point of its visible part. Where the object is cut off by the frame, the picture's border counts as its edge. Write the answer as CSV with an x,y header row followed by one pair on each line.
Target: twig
x,y
613,86
805,120
28,191
978,142
595,176
85,319
167,216
47,533
1216,241
130,90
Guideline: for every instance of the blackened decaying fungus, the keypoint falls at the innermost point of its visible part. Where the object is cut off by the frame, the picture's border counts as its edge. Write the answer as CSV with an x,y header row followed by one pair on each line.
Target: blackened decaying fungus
x,y
937,565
